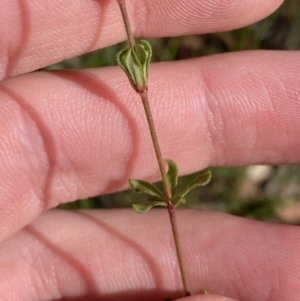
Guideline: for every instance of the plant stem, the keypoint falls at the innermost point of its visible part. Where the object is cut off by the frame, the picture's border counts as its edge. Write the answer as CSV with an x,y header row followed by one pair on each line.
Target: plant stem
x,y
124,13
171,208
184,277
159,157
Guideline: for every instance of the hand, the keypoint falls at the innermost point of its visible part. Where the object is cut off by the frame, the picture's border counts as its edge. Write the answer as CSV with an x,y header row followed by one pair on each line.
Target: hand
x,y
73,134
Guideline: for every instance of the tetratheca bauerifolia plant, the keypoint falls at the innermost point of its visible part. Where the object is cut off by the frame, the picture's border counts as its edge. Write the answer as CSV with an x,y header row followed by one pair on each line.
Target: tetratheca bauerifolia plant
x,y
135,60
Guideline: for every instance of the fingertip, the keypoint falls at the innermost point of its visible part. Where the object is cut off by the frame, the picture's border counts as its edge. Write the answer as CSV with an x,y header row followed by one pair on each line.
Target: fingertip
x,y
206,297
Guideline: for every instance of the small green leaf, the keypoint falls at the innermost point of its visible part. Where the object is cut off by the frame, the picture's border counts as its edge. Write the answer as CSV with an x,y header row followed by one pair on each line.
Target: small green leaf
x,y
201,180
139,186
135,62
172,176
145,55
142,208
177,200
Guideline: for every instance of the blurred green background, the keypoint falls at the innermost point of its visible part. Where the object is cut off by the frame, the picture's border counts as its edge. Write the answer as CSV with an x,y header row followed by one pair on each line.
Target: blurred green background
x,y
261,192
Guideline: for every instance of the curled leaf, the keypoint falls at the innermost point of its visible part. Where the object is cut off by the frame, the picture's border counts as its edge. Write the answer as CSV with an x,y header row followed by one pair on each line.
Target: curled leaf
x,y
178,200
142,208
172,176
139,186
200,180
135,62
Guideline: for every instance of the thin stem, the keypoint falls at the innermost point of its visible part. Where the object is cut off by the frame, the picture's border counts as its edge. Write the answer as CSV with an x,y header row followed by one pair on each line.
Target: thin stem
x,y
160,160
184,277
124,13
170,206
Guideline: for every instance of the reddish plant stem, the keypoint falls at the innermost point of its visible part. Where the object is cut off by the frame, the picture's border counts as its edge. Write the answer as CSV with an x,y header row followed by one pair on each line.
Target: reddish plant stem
x,y
183,273
171,208
159,157
124,13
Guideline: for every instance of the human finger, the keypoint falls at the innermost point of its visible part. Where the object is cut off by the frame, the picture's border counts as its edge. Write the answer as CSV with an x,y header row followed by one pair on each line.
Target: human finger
x,y
206,297
120,255
36,33
70,135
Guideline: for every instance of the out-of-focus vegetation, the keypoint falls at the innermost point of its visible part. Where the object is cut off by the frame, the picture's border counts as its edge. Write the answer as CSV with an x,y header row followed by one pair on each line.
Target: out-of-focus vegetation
x,y
261,192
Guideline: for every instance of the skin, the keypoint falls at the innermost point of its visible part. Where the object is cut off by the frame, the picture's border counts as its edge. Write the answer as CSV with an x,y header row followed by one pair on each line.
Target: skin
x,y
73,134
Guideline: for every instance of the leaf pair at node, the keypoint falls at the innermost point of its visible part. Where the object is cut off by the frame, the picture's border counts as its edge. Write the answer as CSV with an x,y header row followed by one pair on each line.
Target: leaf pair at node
x,y
135,62
139,186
